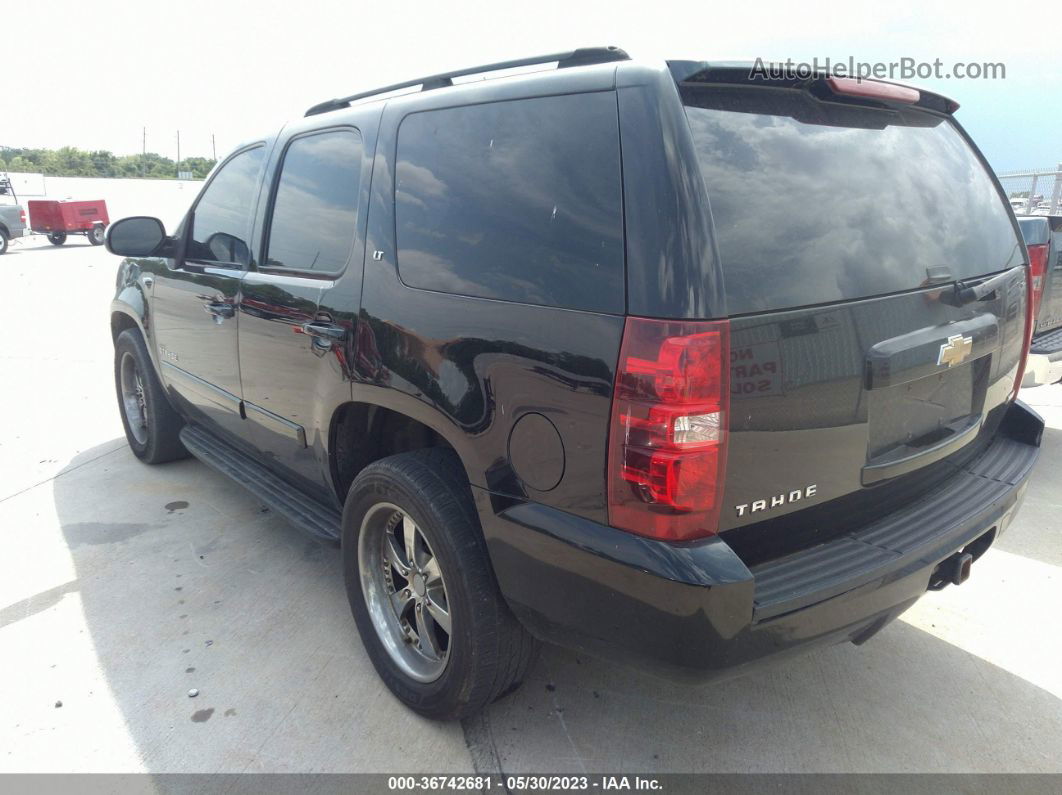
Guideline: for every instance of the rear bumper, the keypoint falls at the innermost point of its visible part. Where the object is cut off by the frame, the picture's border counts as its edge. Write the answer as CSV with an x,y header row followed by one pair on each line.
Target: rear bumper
x,y
1044,365
696,611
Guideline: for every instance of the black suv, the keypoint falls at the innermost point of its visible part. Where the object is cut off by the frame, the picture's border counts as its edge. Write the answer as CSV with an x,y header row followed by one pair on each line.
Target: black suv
x,y
669,364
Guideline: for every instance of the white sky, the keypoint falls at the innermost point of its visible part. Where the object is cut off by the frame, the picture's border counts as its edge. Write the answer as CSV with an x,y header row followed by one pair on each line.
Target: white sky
x,y
92,74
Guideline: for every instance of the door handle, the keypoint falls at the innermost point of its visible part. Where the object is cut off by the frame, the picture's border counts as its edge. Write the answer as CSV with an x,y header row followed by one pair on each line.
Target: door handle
x,y
325,331
220,309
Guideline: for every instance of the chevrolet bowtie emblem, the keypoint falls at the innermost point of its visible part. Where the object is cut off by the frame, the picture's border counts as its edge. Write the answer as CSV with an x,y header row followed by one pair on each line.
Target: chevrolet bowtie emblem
x,y
955,350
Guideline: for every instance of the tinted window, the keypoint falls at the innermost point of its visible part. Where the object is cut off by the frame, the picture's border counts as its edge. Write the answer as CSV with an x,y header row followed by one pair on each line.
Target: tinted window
x,y
816,202
514,200
315,211
223,214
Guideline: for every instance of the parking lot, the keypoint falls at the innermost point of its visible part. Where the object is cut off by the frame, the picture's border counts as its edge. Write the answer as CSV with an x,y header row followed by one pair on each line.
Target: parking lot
x,y
124,586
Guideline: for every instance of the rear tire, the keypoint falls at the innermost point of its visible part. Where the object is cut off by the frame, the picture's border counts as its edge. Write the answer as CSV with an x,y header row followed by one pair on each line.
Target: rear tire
x,y
57,238
95,235
152,427
486,653
3,242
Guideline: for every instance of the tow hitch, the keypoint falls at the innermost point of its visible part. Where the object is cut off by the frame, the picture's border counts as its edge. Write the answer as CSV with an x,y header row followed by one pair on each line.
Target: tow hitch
x,y
952,571
955,569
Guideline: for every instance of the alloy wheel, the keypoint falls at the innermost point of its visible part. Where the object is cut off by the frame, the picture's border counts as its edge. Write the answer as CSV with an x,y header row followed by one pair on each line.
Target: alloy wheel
x,y
405,592
134,400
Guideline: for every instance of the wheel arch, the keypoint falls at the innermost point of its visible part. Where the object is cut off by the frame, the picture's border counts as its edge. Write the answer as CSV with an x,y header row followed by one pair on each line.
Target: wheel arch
x,y
120,321
130,305
123,317
129,310
364,431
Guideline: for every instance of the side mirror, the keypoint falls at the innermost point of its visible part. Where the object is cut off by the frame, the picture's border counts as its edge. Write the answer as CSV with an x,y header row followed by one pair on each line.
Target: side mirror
x,y
139,236
224,247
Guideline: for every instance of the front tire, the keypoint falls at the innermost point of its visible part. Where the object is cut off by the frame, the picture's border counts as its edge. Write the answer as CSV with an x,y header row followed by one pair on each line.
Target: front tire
x,y
95,235
57,238
422,590
152,427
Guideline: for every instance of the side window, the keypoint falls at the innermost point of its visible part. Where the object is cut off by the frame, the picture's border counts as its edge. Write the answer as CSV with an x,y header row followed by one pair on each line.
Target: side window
x,y
315,212
516,200
223,213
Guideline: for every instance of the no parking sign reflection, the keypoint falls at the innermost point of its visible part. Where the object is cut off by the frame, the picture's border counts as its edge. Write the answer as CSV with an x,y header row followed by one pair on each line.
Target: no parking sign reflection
x,y
756,369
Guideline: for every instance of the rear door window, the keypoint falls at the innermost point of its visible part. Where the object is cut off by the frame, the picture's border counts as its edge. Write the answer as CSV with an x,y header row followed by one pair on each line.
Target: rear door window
x,y
817,202
516,200
315,211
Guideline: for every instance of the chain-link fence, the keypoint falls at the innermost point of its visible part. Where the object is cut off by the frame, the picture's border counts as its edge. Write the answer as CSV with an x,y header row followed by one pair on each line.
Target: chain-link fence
x,y
1034,192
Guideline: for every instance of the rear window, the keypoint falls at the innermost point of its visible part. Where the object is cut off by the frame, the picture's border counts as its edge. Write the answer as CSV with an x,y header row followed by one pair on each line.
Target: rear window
x,y
819,202
1034,230
516,200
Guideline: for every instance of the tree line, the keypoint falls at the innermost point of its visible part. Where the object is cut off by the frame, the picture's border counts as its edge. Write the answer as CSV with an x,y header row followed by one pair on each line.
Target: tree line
x,y
72,162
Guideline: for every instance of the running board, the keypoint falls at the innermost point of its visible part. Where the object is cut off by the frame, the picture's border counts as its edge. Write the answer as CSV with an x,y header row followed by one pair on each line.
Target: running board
x,y
320,521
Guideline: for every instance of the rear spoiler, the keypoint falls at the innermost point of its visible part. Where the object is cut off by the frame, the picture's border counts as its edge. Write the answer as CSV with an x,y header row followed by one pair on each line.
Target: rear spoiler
x,y
860,91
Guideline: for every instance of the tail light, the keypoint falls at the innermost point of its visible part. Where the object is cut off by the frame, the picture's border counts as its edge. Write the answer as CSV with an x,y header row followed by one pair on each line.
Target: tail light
x,y
22,216
668,435
873,89
1034,292
1037,274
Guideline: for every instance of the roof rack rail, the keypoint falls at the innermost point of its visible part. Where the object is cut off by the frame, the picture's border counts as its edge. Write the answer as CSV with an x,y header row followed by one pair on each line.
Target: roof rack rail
x,y
584,56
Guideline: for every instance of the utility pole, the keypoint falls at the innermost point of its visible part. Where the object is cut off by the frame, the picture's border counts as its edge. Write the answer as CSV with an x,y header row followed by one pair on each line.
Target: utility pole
x,y
178,154
143,150
214,147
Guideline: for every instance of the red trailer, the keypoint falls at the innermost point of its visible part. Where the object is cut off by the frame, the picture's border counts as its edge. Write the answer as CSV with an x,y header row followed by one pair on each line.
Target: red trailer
x,y
59,219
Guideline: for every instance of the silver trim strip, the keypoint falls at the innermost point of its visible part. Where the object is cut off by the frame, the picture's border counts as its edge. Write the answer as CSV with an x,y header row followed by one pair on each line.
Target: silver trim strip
x,y
205,389
276,423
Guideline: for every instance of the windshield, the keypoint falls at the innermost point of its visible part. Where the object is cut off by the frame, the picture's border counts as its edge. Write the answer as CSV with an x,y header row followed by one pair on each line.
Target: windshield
x,y
817,202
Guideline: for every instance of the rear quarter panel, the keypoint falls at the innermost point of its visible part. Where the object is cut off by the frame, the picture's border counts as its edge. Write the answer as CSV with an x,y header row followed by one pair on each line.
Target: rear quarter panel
x,y
470,367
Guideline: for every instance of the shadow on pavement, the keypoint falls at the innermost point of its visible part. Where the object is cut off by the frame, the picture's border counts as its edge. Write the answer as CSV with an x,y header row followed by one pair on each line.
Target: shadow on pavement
x,y
1040,537
186,582
18,246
